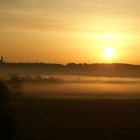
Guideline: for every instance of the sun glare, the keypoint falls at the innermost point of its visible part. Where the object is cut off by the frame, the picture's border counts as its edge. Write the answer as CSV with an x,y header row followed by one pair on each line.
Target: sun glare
x,y
108,53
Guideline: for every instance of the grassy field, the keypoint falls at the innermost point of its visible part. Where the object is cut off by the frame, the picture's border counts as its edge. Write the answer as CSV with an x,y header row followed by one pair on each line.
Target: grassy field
x,y
43,119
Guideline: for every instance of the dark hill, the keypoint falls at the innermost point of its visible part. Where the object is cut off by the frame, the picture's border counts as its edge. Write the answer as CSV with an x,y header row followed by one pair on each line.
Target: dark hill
x,y
113,70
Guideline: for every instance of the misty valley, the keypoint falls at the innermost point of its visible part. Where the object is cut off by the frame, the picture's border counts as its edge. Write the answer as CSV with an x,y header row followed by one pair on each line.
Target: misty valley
x,y
51,101
69,69
73,86
68,86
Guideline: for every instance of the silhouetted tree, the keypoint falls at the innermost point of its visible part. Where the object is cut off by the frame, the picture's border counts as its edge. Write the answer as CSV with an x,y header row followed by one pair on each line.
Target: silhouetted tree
x,y
6,123
15,84
26,78
38,78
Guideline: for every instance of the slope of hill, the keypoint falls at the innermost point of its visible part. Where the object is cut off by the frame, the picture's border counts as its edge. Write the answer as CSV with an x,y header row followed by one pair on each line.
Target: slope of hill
x,y
110,70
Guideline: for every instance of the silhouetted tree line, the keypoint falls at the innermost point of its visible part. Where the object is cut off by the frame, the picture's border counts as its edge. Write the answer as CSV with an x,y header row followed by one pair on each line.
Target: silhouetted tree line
x,y
115,69
40,78
15,81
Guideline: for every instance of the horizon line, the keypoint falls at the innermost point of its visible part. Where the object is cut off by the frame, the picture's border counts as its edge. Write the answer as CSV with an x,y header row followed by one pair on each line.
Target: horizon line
x,y
84,63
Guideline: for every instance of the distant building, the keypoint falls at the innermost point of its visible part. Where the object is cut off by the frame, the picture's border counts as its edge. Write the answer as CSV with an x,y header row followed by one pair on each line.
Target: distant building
x,y
2,60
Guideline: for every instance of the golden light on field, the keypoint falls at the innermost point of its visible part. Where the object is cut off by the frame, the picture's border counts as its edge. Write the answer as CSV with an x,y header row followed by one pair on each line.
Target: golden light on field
x,y
108,53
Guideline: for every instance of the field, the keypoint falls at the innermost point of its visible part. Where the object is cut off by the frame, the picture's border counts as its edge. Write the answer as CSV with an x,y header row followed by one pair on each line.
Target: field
x,y
42,119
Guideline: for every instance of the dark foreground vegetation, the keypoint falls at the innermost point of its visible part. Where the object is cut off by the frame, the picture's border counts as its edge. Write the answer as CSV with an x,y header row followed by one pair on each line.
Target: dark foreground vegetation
x,y
7,125
32,118
47,119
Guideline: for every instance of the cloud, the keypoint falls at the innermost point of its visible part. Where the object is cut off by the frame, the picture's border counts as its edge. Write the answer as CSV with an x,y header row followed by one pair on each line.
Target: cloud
x,y
66,15
73,7
8,21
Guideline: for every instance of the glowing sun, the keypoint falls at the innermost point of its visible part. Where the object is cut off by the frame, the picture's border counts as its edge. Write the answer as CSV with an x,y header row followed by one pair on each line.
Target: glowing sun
x,y
108,53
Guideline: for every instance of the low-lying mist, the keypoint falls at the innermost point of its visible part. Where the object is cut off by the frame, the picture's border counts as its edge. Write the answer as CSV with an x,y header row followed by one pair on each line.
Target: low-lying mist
x,y
72,86
83,87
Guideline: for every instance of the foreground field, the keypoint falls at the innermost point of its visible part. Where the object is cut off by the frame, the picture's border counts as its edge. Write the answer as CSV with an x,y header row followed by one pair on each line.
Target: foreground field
x,y
43,119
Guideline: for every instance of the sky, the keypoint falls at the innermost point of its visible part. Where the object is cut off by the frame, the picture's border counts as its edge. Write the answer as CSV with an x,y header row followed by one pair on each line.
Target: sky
x,y
63,31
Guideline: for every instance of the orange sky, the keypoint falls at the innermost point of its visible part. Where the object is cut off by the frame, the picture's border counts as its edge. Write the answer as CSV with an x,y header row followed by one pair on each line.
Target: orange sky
x,y
62,31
